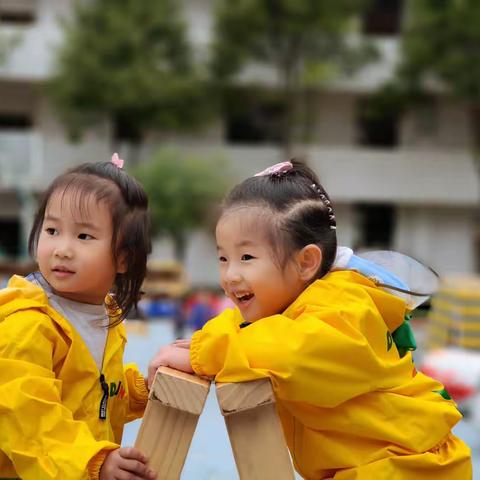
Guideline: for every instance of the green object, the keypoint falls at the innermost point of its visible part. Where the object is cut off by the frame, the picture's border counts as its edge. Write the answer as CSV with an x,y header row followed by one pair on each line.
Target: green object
x,y
443,393
403,337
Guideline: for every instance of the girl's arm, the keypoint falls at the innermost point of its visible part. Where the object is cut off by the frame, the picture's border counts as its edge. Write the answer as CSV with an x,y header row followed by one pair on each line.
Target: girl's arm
x,y
137,392
320,357
179,356
176,355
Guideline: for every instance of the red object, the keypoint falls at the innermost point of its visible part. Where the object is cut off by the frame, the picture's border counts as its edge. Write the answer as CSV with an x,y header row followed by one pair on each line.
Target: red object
x,y
457,390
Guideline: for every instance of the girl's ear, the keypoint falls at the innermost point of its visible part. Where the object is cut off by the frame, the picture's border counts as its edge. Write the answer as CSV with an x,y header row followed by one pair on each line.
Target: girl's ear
x,y
122,263
309,260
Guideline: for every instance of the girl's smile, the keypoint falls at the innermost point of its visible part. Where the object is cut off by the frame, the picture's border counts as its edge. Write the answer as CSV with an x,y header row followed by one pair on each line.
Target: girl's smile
x,y
243,300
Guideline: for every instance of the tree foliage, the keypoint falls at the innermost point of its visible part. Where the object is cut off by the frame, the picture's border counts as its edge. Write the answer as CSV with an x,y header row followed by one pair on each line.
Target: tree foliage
x,y
442,42
3,49
8,42
300,39
183,191
130,61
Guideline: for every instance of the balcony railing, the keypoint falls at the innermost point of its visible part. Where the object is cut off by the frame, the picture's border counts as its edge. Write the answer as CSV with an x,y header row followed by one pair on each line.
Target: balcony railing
x,y
401,176
407,176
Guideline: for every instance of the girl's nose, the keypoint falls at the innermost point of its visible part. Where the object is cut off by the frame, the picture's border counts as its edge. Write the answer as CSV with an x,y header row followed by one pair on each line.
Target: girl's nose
x,y
232,275
63,250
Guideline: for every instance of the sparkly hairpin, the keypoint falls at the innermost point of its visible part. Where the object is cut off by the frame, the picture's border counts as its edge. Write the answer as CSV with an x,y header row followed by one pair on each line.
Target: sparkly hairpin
x,y
276,170
117,161
328,204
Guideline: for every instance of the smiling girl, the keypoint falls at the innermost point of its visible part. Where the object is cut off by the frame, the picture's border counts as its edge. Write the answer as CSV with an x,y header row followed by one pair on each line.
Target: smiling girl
x,y
351,403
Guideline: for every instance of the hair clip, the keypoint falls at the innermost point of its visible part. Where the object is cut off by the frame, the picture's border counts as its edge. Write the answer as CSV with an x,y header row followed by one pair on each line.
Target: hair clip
x,y
117,161
328,205
276,170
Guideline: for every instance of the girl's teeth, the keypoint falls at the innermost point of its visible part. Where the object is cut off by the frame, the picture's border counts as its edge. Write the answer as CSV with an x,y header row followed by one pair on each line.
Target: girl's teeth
x,y
245,297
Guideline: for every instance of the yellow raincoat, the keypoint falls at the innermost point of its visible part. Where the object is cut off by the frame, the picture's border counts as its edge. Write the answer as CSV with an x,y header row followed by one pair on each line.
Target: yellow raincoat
x,y
351,407
50,391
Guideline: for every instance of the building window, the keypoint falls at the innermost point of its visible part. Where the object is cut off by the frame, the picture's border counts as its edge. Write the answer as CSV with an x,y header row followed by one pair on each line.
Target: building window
x,y
253,117
376,226
15,121
376,128
18,12
383,17
9,238
17,18
126,131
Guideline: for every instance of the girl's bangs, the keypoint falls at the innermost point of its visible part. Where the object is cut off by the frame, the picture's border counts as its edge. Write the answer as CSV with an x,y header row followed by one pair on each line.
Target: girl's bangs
x,y
83,193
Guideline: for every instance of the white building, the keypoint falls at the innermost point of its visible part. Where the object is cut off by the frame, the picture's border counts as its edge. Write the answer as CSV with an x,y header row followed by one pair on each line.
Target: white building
x,y
409,184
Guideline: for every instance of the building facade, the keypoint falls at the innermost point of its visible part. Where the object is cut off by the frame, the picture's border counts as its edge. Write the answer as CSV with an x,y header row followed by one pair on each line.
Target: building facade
x,y
407,183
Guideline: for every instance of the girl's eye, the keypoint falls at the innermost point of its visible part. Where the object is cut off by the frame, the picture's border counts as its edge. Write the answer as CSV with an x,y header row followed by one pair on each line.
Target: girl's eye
x,y
222,259
247,257
52,231
84,236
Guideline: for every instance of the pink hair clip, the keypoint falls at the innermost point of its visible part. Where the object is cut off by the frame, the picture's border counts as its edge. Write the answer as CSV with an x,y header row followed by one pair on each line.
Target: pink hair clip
x,y
117,161
276,170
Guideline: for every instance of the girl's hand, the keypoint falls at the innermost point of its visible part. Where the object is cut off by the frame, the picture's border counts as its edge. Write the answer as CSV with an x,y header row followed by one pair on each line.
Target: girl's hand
x,y
124,463
174,356
182,343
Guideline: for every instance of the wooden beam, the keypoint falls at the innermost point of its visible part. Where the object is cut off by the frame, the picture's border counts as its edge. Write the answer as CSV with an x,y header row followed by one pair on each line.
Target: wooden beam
x,y
176,401
254,429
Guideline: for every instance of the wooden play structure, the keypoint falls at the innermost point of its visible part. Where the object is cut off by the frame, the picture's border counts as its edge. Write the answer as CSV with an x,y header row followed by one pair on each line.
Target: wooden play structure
x,y
175,404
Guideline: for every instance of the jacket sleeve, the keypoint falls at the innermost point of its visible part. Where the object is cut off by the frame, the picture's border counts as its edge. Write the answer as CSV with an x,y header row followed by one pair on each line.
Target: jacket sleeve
x,y
137,392
38,433
320,357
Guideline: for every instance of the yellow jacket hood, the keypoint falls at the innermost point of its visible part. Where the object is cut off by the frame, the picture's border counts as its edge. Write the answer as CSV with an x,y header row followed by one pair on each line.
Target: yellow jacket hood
x,y
344,285
20,295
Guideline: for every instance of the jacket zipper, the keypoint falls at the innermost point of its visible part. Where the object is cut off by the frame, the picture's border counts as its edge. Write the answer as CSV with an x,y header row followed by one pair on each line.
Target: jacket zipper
x,y
102,414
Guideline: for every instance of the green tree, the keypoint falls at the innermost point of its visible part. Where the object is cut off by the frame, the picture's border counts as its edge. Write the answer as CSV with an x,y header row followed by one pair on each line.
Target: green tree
x,y
303,40
440,49
3,49
183,192
8,41
129,61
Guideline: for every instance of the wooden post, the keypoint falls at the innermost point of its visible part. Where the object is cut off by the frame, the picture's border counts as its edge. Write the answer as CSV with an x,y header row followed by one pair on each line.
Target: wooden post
x,y
254,429
176,401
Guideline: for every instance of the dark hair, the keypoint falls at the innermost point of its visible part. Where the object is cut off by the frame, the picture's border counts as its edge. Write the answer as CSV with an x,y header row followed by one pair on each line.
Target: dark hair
x,y
303,213
128,204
